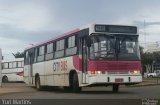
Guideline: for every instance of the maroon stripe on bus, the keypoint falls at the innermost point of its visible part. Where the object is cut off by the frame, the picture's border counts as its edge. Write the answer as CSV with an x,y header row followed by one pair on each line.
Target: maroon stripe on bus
x,y
114,66
77,62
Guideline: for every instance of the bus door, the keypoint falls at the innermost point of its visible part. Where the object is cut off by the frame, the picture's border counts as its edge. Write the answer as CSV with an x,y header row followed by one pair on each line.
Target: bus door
x,y
84,59
30,71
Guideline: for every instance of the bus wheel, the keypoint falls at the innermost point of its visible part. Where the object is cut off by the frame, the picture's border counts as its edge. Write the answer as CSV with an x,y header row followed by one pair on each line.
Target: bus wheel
x,y
75,85
5,79
115,88
37,83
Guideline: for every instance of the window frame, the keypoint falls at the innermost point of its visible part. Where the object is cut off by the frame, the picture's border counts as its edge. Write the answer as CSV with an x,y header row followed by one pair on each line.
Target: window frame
x,y
3,67
69,49
58,49
14,66
40,53
50,45
50,55
26,57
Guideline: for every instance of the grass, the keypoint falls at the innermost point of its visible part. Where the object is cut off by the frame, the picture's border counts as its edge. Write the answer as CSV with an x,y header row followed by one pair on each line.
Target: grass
x,y
155,78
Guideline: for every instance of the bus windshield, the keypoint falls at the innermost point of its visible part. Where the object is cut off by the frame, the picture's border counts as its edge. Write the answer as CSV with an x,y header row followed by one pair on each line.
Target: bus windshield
x,y
128,47
112,47
102,47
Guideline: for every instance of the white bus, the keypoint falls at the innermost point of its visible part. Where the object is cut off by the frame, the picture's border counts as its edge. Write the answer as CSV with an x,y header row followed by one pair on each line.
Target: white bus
x,y
12,70
0,67
93,55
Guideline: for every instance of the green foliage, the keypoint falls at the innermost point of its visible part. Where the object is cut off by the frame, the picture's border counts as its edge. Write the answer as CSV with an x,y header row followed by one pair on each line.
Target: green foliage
x,y
18,55
149,58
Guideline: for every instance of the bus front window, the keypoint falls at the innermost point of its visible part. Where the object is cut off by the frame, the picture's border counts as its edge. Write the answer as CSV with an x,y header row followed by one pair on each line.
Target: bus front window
x,y
128,48
102,47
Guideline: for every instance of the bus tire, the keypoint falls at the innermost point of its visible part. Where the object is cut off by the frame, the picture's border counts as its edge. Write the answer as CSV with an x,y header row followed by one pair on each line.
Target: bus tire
x,y
75,84
38,83
5,79
115,88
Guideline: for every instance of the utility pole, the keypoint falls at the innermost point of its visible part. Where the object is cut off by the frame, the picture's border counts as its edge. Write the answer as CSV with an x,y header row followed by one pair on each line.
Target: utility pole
x,y
145,34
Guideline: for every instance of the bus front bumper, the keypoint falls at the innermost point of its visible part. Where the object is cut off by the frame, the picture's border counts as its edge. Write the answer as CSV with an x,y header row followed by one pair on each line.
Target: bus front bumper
x,y
109,80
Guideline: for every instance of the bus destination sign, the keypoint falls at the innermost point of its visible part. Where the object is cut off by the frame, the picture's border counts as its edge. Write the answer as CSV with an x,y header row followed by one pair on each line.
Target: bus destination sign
x,y
116,29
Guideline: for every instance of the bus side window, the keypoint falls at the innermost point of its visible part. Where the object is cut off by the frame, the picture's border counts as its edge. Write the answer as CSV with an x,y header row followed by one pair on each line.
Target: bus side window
x,y
26,59
71,45
14,64
41,51
49,51
2,66
20,64
35,55
59,48
10,65
5,65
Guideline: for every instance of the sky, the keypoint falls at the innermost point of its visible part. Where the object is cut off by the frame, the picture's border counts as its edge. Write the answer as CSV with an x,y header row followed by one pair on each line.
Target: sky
x,y
27,22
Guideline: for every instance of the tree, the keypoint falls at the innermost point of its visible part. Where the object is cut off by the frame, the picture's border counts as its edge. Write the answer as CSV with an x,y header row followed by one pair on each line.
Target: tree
x,y
141,50
148,60
18,54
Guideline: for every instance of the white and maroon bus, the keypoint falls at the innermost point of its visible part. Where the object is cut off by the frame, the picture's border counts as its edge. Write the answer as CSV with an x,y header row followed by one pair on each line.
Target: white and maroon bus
x,y
12,70
93,55
0,67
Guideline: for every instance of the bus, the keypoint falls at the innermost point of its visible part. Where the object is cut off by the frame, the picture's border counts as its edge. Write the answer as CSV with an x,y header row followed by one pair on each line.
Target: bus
x,y
94,55
12,70
0,67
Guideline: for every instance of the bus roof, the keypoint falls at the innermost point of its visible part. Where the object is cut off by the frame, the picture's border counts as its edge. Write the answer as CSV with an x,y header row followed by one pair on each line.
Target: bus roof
x,y
12,60
54,38
76,30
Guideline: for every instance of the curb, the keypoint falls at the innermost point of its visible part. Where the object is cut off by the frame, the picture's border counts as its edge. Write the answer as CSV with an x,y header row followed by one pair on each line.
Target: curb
x,y
141,85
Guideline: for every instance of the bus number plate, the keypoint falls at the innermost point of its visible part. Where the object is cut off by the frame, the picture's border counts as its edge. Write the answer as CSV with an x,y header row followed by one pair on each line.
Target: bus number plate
x,y
119,80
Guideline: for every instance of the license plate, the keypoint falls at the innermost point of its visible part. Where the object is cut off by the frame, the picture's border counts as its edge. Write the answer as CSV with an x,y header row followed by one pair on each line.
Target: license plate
x,y
119,80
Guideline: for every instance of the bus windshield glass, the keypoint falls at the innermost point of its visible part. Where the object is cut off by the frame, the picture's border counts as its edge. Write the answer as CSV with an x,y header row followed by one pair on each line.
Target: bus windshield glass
x,y
128,47
102,47
114,47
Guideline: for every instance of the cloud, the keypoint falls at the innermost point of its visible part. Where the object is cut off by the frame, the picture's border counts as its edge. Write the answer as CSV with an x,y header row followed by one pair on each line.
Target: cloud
x,y
9,31
28,15
31,21
11,45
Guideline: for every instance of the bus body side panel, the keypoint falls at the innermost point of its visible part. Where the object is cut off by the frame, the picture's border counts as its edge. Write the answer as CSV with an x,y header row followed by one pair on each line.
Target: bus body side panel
x,y
48,70
57,71
26,74
39,68
12,74
53,72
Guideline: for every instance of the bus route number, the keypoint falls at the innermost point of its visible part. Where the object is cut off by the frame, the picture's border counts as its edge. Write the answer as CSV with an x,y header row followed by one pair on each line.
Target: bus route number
x,y
60,66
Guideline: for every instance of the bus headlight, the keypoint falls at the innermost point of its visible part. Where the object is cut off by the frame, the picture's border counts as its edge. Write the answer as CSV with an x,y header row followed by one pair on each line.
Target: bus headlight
x,y
99,72
95,72
135,72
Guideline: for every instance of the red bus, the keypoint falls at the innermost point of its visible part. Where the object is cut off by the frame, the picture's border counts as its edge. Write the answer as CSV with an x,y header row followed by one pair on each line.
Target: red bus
x,y
94,55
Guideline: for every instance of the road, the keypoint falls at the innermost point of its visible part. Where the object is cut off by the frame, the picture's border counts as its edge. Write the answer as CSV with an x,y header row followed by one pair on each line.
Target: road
x,y
27,92
19,92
